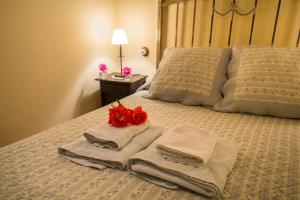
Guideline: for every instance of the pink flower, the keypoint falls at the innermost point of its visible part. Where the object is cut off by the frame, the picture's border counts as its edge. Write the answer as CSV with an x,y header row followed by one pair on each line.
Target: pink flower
x,y
127,71
102,67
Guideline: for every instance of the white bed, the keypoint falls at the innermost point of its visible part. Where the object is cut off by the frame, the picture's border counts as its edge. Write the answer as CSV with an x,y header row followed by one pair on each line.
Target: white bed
x,y
267,166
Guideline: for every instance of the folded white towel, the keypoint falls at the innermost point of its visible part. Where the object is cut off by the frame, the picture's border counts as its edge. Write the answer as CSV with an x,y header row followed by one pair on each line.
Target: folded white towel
x,y
115,138
82,152
187,144
207,179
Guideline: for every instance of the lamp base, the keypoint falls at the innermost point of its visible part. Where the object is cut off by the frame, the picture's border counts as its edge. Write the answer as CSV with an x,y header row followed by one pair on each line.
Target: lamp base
x,y
118,77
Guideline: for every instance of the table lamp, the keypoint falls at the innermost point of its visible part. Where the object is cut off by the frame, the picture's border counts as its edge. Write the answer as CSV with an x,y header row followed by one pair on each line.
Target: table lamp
x,y
119,37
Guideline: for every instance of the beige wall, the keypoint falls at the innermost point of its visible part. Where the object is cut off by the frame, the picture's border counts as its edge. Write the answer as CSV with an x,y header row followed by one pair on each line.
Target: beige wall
x,y
138,18
48,56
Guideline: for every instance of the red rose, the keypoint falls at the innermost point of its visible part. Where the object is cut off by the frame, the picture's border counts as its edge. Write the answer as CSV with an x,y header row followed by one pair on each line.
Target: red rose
x,y
138,116
118,116
129,115
121,116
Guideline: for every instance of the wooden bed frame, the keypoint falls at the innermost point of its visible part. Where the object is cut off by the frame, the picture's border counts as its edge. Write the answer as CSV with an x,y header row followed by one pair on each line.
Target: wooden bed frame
x,y
233,9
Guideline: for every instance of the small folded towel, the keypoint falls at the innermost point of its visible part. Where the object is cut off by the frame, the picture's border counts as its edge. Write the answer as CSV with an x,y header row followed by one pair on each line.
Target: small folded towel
x,y
208,180
82,152
187,144
115,138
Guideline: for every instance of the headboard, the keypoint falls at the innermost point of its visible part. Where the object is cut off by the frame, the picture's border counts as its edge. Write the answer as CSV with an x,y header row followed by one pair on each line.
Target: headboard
x,y
222,23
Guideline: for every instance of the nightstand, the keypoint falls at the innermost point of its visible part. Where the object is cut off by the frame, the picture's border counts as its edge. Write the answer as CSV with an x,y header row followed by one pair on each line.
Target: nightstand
x,y
112,89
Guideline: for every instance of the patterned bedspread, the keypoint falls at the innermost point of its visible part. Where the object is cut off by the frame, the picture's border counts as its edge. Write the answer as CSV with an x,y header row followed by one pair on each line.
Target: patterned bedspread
x,y
268,164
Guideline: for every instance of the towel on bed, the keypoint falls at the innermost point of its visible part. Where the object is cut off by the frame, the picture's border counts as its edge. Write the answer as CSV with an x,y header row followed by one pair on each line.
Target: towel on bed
x,y
208,180
105,135
82,152
187,144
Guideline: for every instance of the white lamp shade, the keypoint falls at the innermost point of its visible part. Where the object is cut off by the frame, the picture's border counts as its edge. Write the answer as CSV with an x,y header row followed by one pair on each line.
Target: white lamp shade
x,y
119,37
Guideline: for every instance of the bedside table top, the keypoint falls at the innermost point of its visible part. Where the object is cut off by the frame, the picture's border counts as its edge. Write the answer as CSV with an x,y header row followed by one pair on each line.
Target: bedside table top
x,y
132,79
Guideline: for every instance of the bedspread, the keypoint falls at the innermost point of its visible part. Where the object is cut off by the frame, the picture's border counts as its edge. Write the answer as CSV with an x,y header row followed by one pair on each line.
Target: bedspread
x,y
267,166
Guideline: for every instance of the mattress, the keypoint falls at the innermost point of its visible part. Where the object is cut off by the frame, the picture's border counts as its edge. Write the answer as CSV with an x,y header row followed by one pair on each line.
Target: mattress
x,y
267,166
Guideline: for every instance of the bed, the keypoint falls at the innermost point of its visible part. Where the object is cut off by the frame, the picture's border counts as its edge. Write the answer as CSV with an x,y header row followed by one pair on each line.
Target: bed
x,y
267,165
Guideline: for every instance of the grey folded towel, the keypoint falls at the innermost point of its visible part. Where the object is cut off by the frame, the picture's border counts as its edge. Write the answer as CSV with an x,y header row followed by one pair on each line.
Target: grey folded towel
x,y
207,179
82,152
107,136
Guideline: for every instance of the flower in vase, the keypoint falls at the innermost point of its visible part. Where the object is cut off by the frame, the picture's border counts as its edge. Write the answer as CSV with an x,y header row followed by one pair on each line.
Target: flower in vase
x,y
126,71
102,68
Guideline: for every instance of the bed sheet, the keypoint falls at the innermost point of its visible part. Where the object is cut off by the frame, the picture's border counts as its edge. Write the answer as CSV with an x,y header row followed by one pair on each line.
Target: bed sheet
x,y
267,166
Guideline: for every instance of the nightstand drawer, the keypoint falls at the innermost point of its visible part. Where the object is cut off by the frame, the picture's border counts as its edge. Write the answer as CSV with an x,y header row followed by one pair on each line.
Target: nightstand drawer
x,y
114,88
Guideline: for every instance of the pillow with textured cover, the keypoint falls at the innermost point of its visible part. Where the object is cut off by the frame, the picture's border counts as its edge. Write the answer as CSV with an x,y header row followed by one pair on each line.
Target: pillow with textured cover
x,y
192,76
264,81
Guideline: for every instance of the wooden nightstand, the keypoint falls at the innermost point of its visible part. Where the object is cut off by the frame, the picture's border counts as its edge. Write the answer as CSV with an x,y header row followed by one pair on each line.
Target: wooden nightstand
x,y
112,89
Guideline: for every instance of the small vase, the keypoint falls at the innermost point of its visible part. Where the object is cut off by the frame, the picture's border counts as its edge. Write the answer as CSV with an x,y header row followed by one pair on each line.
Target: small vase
x,y
103,75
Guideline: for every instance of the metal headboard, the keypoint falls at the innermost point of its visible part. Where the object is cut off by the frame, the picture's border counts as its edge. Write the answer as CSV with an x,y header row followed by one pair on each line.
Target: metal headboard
x,y
233,9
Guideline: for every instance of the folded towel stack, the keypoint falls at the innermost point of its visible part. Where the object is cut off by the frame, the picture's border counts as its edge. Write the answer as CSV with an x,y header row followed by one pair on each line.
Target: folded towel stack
x,y
202,168
104,135
187,144
106,146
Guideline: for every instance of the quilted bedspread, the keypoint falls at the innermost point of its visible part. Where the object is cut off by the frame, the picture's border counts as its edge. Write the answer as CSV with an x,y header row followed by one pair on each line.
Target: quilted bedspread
x,y
267,167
